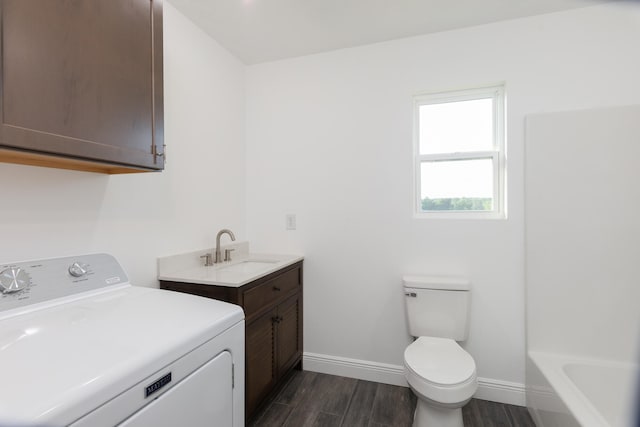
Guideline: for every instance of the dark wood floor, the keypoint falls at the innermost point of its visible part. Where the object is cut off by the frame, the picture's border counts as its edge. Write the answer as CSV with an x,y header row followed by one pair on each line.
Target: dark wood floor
x,y
319,400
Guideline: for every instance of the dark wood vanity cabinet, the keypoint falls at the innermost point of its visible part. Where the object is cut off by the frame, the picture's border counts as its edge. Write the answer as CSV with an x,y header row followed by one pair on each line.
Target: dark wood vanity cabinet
x,y
81,84
273,322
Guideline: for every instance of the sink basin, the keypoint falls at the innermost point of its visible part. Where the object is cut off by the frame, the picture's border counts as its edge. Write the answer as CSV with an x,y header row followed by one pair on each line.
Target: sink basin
x,y
248,267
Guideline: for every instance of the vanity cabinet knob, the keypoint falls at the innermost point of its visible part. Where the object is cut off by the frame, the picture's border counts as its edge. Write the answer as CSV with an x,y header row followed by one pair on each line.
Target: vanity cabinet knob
x,y
277,289
276,319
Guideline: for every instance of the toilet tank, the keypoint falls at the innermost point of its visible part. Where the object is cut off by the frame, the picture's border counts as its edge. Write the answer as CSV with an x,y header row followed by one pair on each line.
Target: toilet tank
x,y
437,306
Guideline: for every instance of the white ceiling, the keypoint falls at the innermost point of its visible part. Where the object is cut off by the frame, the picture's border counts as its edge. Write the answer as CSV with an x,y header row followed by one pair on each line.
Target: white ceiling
x,y
264,30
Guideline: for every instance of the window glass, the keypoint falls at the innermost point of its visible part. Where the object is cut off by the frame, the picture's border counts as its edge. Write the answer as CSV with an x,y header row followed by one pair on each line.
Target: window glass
x,y
456,126
457,185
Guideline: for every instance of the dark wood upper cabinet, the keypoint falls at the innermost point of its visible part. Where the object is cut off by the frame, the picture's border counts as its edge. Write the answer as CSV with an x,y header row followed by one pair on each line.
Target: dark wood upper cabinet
x,y
81,84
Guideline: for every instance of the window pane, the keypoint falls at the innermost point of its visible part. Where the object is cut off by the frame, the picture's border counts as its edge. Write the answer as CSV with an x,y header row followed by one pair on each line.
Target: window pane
x,y
457,185
456,126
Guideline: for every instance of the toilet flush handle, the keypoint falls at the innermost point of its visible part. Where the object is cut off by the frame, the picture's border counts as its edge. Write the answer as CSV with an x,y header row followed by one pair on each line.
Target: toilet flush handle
x,y
411,294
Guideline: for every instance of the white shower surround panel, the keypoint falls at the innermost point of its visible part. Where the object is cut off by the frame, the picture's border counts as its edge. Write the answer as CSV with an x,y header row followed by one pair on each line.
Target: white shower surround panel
x,y
583,324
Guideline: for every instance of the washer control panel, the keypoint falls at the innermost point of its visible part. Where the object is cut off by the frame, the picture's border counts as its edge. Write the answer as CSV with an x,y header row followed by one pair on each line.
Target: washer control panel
x,y
30,282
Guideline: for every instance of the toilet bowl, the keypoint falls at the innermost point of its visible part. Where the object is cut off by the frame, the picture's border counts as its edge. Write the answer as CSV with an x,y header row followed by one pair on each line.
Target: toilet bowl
x,y
443,377
440,372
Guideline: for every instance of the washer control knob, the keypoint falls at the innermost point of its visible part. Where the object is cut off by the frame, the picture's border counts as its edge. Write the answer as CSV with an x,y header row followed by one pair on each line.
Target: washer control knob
x,y
13,279
78,269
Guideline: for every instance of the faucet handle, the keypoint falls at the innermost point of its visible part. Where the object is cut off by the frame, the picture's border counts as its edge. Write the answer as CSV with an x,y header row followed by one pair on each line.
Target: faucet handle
x,y
227,254
208,259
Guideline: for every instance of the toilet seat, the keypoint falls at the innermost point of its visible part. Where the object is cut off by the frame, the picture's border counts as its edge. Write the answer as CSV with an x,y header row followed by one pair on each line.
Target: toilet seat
x,y
440,370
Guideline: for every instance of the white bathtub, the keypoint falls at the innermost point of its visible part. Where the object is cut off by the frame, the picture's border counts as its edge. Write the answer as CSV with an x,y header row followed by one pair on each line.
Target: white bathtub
x,y
565,391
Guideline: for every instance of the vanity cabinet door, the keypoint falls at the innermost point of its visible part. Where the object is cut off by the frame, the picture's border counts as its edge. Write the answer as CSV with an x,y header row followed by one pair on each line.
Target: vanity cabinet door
x,y
289,333
260,359
273,345
81,84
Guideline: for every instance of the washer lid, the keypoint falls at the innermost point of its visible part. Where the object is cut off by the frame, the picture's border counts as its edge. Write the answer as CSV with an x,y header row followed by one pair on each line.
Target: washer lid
x,y
62,362
440,361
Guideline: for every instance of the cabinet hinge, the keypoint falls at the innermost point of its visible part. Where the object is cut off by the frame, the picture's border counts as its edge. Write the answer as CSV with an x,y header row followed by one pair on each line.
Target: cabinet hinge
x,y
154,152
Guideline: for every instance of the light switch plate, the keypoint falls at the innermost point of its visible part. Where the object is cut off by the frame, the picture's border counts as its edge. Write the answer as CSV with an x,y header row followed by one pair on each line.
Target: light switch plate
x,y
290,221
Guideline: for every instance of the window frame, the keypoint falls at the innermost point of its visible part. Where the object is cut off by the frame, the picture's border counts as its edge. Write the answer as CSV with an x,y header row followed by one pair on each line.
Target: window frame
x,y
496,154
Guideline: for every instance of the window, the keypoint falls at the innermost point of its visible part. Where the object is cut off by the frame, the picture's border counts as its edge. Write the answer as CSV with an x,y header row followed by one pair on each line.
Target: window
x,y
459,154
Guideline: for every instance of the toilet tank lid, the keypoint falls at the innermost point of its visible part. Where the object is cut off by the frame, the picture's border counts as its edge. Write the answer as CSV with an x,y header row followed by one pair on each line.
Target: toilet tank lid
x,y
445,283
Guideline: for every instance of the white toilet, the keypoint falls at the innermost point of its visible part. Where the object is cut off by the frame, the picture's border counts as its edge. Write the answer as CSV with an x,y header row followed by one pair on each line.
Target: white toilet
x,y
440,372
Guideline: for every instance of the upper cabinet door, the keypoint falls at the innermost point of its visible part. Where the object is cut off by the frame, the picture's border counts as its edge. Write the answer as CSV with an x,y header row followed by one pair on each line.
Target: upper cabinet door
x,y
82,79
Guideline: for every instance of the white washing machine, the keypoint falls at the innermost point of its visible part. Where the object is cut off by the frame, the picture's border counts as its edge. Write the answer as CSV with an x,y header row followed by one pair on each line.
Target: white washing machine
x,y
80,346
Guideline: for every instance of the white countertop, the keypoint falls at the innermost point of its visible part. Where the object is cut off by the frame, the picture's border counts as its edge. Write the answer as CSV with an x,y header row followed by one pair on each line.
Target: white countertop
x,y
245,267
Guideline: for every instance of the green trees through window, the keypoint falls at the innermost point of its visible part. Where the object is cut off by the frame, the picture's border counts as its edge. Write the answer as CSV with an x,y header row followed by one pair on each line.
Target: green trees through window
x,y
457,204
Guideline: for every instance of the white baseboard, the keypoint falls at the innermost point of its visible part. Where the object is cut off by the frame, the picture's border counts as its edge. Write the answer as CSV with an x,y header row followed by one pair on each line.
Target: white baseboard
x,y
354,368
488,389
501,391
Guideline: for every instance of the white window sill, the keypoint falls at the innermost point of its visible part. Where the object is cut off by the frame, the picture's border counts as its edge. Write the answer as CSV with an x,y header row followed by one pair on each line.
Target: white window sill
x,y
459,215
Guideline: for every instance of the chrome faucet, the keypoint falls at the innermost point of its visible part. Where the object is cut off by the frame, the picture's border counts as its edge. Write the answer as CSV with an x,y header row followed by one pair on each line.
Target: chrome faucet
x,y
228,251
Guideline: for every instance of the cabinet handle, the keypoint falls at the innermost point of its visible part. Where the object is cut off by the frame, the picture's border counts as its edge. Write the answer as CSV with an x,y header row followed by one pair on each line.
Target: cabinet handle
x,y
275,288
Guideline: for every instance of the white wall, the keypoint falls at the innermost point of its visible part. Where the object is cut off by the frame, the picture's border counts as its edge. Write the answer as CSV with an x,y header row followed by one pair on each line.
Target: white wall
x,y
582,233
138,217
329,138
